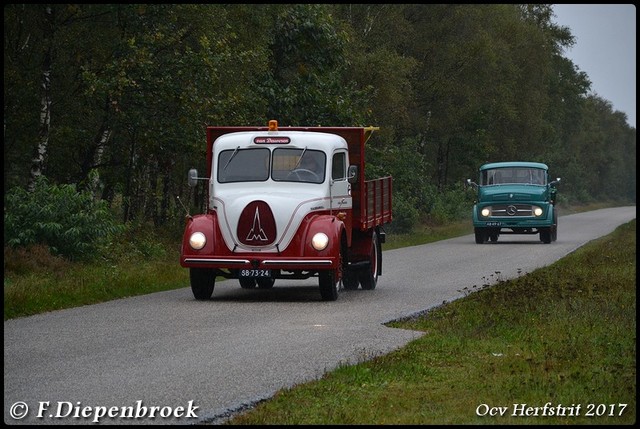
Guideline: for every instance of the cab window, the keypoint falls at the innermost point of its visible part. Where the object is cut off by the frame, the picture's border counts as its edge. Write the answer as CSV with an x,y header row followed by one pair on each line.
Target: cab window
x,y
339,166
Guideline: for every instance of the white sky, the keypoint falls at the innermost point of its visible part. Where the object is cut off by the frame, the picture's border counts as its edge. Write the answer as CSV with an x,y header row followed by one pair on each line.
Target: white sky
x,y
605,50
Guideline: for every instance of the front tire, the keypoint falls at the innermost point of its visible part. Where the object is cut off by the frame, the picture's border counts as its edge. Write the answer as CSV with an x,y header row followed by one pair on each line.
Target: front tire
x,y
329,280
329,285
546,235
264,283
481,235
247,282
203,281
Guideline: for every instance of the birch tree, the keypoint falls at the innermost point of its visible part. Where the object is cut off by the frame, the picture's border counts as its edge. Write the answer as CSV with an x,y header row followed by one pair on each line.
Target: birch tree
x,y
37,164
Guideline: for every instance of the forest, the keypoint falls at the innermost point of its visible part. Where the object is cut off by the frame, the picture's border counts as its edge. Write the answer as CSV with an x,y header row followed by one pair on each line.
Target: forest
x,y
111,102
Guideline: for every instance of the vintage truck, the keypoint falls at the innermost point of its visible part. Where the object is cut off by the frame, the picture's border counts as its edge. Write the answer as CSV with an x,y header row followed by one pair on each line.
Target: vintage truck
x,y
515,198
287,203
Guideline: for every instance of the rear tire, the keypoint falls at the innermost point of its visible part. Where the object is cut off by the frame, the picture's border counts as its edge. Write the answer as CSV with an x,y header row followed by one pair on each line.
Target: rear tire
x,y
369,277
203,281
350,280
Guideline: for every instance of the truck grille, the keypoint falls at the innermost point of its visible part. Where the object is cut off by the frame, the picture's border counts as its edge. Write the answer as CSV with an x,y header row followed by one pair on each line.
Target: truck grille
x,y
511,210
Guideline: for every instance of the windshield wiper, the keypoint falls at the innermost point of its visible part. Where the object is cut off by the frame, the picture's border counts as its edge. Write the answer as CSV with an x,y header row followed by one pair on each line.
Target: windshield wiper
x,y
300,159
230,158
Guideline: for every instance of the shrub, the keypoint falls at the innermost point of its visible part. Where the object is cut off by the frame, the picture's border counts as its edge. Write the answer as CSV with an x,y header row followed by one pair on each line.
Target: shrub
x,y
71,223
405,214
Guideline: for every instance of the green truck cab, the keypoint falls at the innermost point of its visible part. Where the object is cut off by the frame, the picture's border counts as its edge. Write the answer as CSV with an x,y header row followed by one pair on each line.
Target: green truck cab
x,y
514,198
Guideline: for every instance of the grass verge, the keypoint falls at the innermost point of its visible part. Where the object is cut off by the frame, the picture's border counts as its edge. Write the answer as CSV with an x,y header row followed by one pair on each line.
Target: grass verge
x,y
557,346
56,284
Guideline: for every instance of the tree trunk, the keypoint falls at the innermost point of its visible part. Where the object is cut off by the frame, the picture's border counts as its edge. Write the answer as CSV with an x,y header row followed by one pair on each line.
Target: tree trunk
x,y
37,163
93,155
127,197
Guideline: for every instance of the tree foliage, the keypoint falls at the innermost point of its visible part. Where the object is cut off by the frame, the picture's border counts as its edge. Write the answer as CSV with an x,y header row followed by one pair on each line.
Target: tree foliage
x,y
133,86
71,223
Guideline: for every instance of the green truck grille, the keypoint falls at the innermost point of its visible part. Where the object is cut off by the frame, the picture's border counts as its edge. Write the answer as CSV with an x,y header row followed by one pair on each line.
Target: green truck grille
x,y
511,210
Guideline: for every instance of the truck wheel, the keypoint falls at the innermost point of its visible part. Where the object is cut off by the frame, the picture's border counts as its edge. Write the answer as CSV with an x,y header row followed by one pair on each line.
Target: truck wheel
x,y
545,235
369,277
350,280
349,276
481,237
328,285
203,281
266,283
329,280
247,283
554,228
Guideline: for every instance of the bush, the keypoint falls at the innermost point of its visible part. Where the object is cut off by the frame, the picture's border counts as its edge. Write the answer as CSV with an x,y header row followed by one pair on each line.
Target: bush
x,y
405,214
451,206
71,223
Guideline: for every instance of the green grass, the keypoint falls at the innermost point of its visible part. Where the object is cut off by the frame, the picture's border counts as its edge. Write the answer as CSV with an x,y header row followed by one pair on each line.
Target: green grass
x,y
37,282
564,335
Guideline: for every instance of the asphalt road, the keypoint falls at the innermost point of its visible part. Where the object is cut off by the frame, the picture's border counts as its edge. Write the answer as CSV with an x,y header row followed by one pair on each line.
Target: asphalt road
x,y
169,351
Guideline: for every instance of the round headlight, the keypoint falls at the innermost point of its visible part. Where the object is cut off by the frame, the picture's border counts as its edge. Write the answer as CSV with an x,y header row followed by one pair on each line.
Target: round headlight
x,y
320,241
197,240
485,212
537,211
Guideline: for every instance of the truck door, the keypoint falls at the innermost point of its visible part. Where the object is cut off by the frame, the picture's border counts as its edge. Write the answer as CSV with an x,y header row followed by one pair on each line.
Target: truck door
x,y
340,186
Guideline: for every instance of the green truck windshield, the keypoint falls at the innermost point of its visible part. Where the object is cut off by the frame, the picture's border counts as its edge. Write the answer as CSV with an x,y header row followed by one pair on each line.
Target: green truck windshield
x,y
510,175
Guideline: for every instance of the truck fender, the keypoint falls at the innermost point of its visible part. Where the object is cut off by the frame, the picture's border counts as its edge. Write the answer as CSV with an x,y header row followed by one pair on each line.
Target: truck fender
x,y
204,223
332,227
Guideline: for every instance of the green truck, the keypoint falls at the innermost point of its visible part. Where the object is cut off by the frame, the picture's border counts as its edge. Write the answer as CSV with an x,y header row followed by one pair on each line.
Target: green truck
x,y
514,198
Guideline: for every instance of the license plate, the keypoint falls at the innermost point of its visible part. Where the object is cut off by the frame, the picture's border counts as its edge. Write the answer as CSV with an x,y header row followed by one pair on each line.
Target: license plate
x,y
255,273
494,223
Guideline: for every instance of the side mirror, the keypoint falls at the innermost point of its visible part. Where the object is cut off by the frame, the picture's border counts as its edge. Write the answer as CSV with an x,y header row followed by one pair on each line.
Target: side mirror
x,y
555,182
352,174
192,180
472,184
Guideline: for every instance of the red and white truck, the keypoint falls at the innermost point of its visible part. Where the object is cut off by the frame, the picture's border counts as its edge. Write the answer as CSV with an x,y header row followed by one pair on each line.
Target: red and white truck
x,y
287,203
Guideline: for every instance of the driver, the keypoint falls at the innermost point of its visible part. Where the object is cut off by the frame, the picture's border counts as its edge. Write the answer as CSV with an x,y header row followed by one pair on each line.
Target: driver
x,y
309,163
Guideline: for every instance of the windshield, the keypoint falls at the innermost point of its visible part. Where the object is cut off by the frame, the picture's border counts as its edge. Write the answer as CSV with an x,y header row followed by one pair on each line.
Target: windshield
x,y
288,165
298,165
243,165
509,175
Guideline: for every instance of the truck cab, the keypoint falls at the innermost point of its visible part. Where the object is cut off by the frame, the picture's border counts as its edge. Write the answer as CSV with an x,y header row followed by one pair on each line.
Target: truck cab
x,y
514,198
280,205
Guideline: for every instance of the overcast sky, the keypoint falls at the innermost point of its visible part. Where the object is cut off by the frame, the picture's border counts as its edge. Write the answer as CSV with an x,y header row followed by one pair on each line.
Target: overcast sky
x,y
605,50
